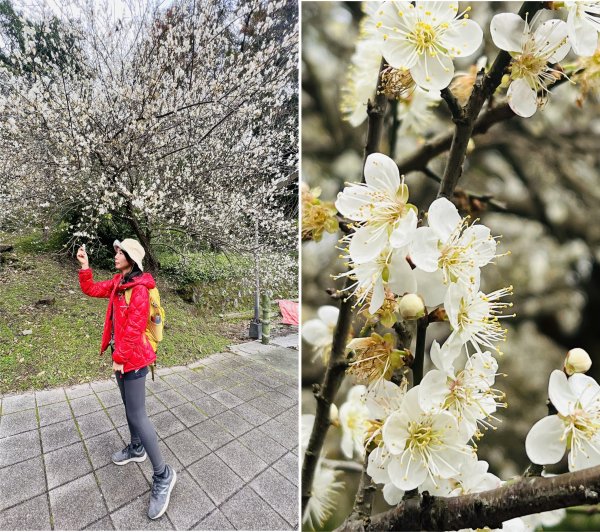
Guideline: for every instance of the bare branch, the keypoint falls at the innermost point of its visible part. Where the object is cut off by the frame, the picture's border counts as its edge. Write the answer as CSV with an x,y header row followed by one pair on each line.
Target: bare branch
x,y
489,508
334,375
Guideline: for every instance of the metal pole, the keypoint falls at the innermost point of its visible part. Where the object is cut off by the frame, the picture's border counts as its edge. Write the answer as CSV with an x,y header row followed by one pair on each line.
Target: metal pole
x,y
255,325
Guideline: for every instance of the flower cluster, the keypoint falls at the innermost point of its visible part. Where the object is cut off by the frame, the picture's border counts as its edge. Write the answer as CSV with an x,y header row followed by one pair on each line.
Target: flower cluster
x,y
420,40
423,438
317,216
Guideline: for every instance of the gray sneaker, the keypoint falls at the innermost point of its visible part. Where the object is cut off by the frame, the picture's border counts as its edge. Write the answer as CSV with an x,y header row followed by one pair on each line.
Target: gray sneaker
x,y
131,453
161,492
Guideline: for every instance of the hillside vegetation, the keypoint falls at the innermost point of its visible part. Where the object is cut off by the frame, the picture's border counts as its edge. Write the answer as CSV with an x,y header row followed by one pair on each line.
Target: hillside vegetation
x,y
50,331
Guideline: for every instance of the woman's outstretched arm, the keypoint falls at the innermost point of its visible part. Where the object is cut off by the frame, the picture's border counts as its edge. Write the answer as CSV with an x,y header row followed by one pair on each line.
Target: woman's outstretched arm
x,y
86,278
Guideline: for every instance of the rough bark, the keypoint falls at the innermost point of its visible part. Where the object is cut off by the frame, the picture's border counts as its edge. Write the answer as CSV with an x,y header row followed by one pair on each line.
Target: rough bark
x,y
489,508
334,375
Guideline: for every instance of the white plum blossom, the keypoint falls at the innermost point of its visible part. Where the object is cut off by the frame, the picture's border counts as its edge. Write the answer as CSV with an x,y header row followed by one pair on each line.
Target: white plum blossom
x,y
467,394
583,24
377,469
531,51
451,245
473,477
318,332
325,486
363,70
381,207
362,78
390,269
576,426
475,316
353,420
416,112
422,445
382,399
424,38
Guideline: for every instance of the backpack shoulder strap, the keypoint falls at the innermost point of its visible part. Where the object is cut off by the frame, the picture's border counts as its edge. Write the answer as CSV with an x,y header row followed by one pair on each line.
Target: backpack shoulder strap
x,y
128,295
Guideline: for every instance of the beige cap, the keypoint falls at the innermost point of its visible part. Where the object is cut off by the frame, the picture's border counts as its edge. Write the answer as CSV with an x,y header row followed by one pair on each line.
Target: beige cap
x,y
133,248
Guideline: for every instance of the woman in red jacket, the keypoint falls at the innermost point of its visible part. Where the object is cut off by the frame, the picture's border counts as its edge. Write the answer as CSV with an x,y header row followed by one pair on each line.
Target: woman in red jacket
x,y
125,332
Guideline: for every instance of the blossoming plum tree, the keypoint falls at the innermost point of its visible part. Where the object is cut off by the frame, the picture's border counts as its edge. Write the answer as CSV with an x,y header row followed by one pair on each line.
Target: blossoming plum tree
x,y
417,433
178,120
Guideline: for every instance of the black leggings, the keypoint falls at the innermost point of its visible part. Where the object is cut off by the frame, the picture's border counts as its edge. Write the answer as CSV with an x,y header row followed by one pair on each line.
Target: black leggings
x,y
133,391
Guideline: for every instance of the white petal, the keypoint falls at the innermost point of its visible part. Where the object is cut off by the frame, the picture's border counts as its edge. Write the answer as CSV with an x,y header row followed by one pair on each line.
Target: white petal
x,y
347,445
586,389
463,38
410,406
456,292
543,443
404,231
437,12
397,50
433,73
316,333
443,218
355,203
367,243
507,31
560,393
402,279
382,173
433,391
550,34
329,315
586,455
395,433
582,34
377,467
424,250
448,461
443,357
378,296
392,494
431,287
484,246
522,99
407,472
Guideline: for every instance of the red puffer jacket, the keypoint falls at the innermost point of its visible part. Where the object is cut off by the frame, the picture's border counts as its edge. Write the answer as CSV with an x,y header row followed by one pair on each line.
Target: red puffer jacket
x,y
132,348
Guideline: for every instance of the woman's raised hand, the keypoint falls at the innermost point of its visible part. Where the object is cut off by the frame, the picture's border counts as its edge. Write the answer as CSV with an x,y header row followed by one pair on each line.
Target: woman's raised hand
x,y
82,257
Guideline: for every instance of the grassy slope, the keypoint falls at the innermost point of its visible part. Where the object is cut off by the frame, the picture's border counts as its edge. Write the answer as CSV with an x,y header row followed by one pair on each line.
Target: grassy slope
x,y
64,345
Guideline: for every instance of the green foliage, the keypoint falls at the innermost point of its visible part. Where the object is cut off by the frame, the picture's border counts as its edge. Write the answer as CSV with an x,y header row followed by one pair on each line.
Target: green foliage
x,y
205,267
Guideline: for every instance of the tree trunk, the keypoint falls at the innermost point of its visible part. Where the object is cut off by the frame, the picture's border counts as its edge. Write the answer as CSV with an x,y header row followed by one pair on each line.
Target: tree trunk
x,y
152,263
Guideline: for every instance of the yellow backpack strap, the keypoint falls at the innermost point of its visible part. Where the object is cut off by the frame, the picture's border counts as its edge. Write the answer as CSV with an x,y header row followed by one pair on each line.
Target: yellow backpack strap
x,y
128,295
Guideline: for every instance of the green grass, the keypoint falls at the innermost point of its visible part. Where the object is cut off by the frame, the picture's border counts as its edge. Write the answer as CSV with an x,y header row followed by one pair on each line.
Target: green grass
x,y
65,341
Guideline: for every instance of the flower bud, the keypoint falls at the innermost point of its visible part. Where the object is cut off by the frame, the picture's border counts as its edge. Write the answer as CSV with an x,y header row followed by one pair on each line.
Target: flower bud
x,y
334,415
577,361
412,307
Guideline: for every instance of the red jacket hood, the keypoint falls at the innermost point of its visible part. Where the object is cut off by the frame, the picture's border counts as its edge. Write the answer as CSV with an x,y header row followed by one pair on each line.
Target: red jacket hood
x,y
145,279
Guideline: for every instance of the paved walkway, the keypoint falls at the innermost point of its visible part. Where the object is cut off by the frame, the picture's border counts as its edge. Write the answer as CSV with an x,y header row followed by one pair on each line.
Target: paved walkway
x,y
228,423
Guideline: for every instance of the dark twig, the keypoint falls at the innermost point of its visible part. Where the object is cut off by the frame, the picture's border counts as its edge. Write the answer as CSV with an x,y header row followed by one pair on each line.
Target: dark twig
x,y
455,108
484,87
336,367
417,367
489,508
364,496
421,157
